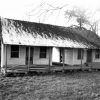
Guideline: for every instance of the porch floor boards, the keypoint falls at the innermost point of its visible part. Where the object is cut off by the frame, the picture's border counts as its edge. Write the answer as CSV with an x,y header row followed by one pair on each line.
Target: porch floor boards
x,y
44,68
24,68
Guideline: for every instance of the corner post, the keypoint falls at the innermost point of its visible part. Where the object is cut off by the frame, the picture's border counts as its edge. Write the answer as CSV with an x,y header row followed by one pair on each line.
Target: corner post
x,y
6,59
28,58
63,58
2,58
50,57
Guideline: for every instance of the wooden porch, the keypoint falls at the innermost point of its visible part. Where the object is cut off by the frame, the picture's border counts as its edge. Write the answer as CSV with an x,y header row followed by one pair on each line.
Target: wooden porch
x,y
51,67
47,68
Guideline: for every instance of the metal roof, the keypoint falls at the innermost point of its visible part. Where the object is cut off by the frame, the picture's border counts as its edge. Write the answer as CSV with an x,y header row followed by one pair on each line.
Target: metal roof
x,y
37,34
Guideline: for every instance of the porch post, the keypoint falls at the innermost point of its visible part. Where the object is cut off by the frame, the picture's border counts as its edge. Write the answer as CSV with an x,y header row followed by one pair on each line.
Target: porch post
x,y
50,57
6,58
63,58
2,58
28,58
81,58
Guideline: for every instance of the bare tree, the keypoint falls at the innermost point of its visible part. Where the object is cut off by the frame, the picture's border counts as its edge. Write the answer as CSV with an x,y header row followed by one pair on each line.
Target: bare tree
x,y
83,18
44,10
81,15
94,26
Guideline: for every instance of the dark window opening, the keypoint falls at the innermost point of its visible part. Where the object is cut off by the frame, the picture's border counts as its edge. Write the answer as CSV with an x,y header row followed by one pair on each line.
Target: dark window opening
x,y
43,52
14,51
97,54
80,54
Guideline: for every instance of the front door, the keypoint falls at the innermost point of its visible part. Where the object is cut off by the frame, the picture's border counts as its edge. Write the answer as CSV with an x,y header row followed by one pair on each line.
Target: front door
x,y
31,55
89,55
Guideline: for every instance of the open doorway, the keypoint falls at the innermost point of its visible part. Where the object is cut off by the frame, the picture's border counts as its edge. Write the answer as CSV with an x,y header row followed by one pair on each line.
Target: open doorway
x,y
89,55
31,55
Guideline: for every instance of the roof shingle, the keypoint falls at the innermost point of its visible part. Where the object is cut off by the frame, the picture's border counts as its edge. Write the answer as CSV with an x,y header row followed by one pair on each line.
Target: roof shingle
x,y
37,34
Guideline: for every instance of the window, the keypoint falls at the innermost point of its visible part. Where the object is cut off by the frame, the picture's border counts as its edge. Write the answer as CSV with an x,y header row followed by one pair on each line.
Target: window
x,y
97,54
14,51
43,51
80,54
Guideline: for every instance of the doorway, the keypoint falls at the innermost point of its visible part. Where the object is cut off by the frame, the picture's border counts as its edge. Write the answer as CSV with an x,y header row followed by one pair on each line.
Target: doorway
x,y
89,55
31,55
61,55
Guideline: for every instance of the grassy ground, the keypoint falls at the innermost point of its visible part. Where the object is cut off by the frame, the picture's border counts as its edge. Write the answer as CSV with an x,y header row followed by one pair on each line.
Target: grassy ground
x,y
69,86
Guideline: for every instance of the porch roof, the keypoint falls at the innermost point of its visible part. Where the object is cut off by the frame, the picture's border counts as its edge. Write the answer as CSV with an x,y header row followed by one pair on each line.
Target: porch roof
x,y
16,32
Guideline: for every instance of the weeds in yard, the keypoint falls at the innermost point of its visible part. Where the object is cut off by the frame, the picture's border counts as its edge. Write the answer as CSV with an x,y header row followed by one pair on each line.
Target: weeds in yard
x,y
74,86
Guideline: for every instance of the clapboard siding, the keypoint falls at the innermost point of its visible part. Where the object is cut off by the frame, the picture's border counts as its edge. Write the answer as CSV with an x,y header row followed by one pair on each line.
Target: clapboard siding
x,y
78,61
93,57
22,54
20,60
69,56
40,61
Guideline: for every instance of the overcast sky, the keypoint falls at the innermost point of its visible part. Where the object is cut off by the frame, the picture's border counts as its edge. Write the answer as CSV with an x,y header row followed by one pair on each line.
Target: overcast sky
x,y
21,9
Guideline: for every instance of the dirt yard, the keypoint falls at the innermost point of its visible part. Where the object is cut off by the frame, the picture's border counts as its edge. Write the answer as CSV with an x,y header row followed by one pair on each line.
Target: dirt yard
x,y
69,86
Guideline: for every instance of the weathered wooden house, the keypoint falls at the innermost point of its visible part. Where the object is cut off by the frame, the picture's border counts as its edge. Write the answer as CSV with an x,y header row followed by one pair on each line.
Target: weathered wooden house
x,y
28,46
